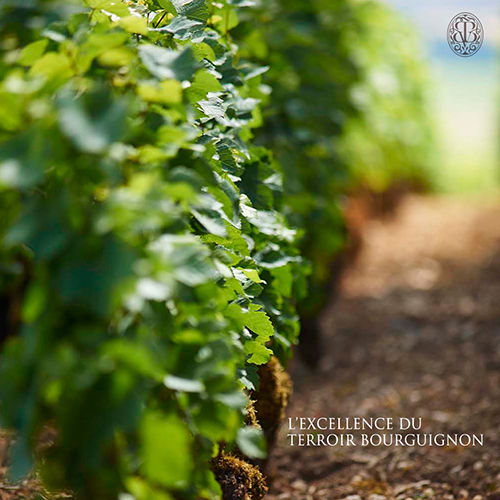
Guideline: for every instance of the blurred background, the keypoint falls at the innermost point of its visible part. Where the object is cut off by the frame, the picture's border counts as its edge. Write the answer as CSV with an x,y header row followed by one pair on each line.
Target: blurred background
x,y
464,94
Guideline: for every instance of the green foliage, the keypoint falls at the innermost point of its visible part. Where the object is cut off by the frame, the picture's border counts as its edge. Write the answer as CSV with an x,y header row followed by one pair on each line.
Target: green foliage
x,y
152,247
251,442
146,228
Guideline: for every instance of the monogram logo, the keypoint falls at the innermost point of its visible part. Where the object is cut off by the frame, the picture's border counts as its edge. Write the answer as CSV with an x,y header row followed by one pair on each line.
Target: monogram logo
x,y
465,34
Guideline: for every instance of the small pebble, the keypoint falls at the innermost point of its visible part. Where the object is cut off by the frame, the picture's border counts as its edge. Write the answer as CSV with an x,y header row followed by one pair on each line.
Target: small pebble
x,y
299,485
357,478
404,465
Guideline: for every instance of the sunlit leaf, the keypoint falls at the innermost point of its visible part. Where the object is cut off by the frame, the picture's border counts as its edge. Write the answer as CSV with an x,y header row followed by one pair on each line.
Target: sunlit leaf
x,y
166,63
166,446
252,442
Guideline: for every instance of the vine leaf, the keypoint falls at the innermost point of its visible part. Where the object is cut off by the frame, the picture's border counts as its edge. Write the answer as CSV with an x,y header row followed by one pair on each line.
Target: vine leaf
x,y
166,443
166,63
252,442
192,9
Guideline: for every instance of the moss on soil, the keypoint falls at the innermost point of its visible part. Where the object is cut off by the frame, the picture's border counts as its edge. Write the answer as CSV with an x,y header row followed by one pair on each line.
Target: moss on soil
x,y
238,479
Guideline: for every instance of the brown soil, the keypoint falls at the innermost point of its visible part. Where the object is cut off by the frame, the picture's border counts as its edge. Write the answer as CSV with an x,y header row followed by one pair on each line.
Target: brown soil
x,y
416,333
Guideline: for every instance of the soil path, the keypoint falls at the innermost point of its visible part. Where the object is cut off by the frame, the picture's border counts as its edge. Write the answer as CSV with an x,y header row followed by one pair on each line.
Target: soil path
x,y
416,333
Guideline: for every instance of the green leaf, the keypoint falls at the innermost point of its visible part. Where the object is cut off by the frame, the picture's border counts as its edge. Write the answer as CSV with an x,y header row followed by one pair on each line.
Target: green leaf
x,y
166,92
203,83
186,258
134,24
259,323
272,256
183,384
283,280
252,442
167,5
236,400
250,377
214,107
217,421
166,448
227,160
151,289
116,7
41,227
23,159
92,281
134,355
34,302
242,3
166,63
92,122
209,213
252,274
107,47
32,52
211,220
142,490
193,9
226,20
121,56
52,65
98,43
183,29
258,352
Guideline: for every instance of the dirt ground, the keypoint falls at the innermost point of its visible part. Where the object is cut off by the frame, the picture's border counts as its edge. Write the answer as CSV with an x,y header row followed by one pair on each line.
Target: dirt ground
x,y
415,333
